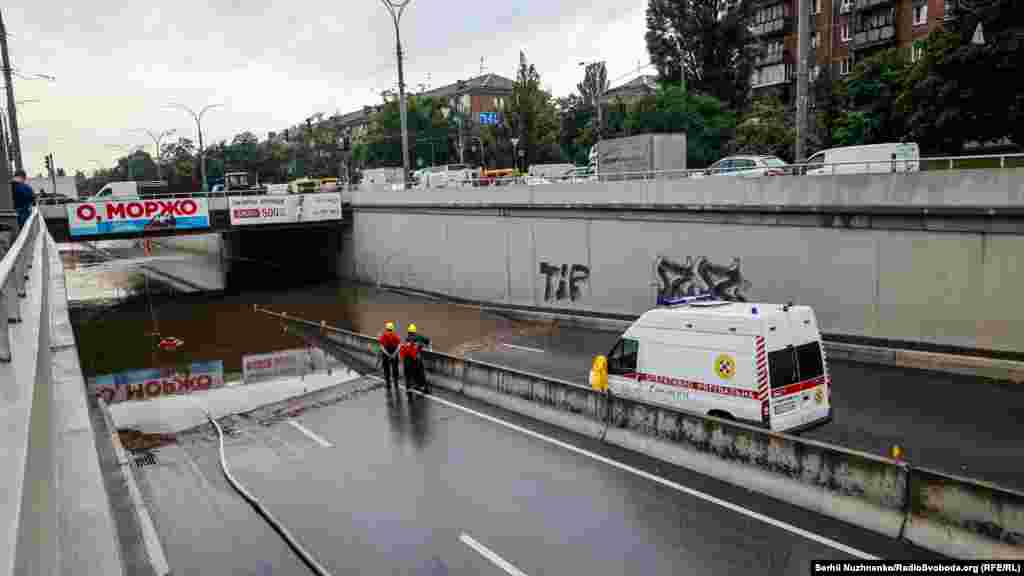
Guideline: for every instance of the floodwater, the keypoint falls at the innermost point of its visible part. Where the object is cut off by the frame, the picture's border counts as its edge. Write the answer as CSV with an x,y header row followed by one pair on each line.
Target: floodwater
x,y
124,301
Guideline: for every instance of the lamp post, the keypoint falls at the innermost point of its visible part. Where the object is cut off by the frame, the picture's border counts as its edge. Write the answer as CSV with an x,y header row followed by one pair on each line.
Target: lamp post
x,y
157,138
396,9
199,127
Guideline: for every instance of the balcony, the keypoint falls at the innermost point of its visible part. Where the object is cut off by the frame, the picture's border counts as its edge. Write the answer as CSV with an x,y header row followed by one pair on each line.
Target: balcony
x,y
777,26
868,4
770,58
873,37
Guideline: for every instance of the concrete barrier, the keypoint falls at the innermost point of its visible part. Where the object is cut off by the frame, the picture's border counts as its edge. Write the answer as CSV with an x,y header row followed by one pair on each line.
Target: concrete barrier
x,y
953,516
964,518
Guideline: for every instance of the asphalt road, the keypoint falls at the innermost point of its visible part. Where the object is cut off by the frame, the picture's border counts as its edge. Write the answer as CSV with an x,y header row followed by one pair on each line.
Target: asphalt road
x,y
383,483
957,424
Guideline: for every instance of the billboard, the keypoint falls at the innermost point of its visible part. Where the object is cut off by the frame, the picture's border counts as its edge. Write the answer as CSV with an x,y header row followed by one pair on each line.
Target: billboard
x,y
158,382
133,216
291,209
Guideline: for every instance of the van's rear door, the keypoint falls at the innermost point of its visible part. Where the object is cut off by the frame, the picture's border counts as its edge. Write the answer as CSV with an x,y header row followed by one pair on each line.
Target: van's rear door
x,y
797,374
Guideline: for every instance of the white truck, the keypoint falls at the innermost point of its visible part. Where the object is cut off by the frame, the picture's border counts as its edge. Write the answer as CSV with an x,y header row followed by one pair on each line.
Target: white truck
x,y
759,363
867,159
119,190
637,157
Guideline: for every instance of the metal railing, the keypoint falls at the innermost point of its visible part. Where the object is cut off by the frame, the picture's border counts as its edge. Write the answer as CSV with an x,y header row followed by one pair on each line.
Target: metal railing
x,y
891,166
54,201
13,278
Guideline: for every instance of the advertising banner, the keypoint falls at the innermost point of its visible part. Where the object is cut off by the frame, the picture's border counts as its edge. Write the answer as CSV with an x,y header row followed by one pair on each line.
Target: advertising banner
x,y
276,364
157,382
291,209
132,216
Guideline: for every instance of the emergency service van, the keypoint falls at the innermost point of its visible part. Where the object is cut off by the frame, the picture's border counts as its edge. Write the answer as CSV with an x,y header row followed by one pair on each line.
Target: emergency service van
x,y
760,363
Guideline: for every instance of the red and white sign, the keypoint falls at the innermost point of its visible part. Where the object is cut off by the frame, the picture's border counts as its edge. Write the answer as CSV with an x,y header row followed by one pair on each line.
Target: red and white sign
x,y
158,382
276,364
125,216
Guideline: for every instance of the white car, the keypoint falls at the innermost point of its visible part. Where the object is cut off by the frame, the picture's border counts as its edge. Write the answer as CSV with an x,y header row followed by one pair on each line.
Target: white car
x,y
749,167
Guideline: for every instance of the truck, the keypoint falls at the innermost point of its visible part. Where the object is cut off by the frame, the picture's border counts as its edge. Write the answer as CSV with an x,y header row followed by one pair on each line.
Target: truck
x,y
758,363
120,190
636,157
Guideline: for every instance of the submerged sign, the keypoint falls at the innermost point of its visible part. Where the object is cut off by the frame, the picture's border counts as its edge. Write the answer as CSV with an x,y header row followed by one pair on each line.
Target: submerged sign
x,y
130,216
157,382
274,209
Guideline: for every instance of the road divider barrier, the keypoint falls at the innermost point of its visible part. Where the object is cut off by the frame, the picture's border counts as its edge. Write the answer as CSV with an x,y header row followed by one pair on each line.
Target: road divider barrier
x,y
958,517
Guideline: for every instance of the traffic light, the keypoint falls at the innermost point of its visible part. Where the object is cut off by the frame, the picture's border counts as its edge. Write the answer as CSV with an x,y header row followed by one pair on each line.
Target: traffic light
x,y
49,163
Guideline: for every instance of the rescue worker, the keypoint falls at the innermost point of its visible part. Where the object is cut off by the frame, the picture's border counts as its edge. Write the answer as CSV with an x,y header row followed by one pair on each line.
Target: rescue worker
x,y
422,343
409,353
389,343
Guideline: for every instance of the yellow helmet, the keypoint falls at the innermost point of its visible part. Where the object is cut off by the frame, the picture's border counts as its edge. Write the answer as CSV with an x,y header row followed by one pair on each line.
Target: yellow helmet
x,y
412,328
389,326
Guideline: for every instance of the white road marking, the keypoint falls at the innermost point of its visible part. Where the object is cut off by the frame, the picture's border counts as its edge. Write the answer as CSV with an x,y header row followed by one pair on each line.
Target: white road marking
x,y
310,434
526,348
663,481
490,555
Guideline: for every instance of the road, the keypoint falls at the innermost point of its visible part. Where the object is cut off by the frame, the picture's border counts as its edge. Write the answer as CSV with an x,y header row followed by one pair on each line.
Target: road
x,y
387,483
957,424
953,423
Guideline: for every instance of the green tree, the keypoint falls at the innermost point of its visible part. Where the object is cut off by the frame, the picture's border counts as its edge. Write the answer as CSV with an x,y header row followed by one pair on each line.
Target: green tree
x,y
961,92
714,53
706,121
574,136
866,101
533,116
593,87
766,128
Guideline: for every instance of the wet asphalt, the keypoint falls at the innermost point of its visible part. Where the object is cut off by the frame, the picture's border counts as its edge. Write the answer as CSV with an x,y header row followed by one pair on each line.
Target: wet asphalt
x,y
406,479
957,424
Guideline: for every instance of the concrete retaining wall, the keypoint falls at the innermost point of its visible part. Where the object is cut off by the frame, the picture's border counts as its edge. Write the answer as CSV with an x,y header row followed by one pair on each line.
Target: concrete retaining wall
x,y
953,516
940,288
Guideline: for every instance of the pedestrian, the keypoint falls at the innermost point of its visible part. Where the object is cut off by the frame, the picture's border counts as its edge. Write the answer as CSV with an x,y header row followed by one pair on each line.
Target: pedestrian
x,y
24,198
389,343
409,353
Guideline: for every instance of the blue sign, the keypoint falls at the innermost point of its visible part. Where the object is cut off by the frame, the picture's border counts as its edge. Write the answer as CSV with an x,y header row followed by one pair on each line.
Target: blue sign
x,y
489,118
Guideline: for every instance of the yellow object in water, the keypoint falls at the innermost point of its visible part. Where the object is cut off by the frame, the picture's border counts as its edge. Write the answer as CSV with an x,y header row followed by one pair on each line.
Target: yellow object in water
x,y
599,374
412,328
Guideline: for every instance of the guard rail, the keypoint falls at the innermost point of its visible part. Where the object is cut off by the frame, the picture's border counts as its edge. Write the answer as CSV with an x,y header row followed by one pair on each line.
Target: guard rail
x,y
958,517
13,277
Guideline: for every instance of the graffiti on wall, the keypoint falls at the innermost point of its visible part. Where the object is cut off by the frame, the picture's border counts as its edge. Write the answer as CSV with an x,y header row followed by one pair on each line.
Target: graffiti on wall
x,y
563,282
698,276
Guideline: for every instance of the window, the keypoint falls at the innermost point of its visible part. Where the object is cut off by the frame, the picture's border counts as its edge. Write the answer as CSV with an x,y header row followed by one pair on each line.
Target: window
x,y
814,40
949,9
846,6
622,358
844,32
916,52
782,367
845,65
721,167
920,13
814,71
816,162
809,362
744,164
816,7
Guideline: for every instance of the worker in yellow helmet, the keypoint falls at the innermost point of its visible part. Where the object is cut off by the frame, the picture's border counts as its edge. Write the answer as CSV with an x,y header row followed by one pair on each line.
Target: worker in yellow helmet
x,y
389,342
415,374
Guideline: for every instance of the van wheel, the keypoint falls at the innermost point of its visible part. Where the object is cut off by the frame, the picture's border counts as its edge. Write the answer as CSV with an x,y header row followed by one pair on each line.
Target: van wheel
x,y
721,414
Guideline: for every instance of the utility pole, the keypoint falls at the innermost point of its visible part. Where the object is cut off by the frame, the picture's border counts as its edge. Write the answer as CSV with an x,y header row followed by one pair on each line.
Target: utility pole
x,y
157,138
12,112
199,128
802,46
396,9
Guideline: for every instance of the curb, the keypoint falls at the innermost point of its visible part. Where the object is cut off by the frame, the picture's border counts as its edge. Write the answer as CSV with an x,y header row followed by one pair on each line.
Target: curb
x,y
965,365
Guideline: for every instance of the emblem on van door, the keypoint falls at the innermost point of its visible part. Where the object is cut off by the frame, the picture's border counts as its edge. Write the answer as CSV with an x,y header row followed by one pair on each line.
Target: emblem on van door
x,y
819,396
725,366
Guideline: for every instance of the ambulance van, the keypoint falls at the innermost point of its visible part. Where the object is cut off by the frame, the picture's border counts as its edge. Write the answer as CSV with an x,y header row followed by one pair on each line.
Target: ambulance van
x,y
759,363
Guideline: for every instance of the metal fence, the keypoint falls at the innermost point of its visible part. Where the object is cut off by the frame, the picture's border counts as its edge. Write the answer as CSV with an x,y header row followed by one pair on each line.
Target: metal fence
x,y
13,278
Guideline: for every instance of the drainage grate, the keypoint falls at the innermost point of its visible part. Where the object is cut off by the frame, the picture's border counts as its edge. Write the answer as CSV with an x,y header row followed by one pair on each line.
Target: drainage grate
x,y
148,459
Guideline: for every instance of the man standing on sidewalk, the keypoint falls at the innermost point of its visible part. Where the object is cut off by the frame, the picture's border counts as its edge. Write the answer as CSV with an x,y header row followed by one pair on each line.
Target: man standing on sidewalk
x,y
24,198
389,342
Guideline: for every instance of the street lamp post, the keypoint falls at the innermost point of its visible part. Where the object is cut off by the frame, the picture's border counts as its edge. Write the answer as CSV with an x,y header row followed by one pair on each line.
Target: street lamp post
x,y
157,138
199,127
396,9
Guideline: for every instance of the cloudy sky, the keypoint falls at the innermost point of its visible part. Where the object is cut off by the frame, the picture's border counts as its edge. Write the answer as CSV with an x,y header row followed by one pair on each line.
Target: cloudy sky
x,y
118,64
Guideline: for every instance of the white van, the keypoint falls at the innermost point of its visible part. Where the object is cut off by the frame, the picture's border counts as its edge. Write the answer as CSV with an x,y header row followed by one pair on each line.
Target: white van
x,y
759,363
867,159
129,190
449,175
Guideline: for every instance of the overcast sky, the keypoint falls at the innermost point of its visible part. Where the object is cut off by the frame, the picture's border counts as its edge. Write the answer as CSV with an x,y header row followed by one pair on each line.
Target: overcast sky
x,y
273,64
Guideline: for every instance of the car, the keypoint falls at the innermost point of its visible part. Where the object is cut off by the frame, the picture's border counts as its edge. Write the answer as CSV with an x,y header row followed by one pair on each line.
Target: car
x,y
749,167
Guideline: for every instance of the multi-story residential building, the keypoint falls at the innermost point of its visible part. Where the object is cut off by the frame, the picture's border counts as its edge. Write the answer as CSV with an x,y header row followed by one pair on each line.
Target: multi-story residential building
x,y
843,32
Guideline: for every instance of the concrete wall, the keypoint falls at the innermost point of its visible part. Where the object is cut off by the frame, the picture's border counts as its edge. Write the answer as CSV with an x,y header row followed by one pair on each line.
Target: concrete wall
x,y
953,516
960,289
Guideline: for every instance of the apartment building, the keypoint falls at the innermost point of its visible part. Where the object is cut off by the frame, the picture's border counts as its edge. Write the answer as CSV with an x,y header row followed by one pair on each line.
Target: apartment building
x,y
843,32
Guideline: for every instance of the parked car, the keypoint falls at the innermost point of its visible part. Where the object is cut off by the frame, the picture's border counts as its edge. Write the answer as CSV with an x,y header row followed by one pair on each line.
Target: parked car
x,y
867,159
748,167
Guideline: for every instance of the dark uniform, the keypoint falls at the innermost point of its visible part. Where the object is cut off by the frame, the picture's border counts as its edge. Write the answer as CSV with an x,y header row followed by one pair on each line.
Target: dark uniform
x,y
411,363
